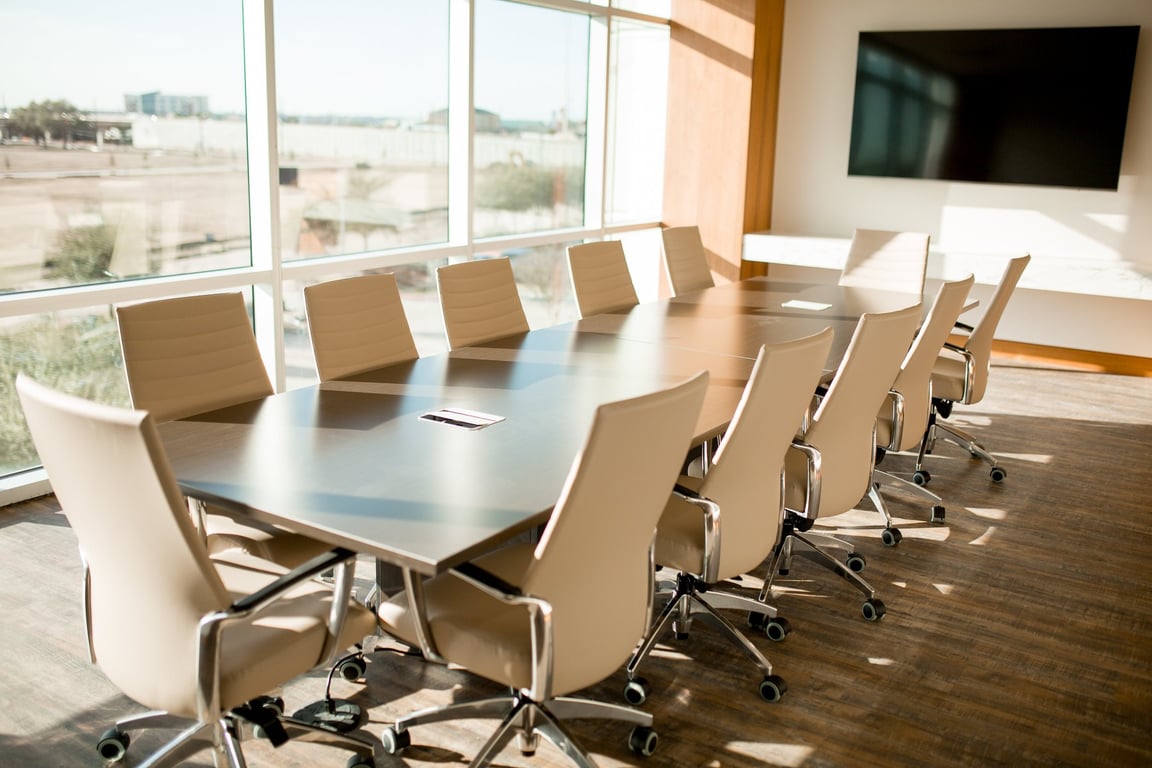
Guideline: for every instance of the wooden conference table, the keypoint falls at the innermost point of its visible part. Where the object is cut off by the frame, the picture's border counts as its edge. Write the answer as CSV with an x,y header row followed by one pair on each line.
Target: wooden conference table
x,y
352,461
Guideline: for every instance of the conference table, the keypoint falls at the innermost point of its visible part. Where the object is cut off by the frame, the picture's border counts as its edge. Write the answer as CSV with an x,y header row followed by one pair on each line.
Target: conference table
x,y
427,464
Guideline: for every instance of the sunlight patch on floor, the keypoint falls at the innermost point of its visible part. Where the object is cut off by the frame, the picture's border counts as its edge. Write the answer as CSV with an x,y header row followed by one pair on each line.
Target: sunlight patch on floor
x,y
944,589
984,538
989,513
1032,458
881,661
781,755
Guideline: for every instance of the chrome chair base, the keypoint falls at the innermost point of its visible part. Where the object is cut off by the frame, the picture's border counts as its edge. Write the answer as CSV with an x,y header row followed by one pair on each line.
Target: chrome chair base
x,y
224,737
816,543
528,720
686,601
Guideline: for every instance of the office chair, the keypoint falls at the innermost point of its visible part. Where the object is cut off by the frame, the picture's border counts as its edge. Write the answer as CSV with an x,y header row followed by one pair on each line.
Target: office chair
x,y
200,640
551,618
960,374
600,278
903,418
357,324
686,260
890,261
828,468
194,354
479,301
727,523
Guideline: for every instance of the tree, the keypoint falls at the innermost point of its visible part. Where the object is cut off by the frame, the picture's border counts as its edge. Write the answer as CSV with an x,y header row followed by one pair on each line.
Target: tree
x,y
41,120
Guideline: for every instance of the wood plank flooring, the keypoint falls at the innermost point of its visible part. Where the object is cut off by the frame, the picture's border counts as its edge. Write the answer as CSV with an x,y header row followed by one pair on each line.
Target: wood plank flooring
x,y
1018,634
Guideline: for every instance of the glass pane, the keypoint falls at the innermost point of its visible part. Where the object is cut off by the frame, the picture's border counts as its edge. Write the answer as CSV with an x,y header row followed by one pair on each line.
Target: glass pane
x,y
638,99
362,92
107,177
531,98
76,351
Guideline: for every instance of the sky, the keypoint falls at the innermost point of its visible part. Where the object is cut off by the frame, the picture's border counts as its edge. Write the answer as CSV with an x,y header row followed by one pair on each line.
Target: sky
x,y
350,57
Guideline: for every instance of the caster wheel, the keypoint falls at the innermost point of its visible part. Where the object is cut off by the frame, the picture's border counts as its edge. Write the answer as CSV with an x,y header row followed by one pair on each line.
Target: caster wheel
x,y
360,761
873,609
395,741
777,629
113,745
773,688
997,474
757,620
937,514
855,563
921,477
636,691
891,536
352,669
680,635
642,741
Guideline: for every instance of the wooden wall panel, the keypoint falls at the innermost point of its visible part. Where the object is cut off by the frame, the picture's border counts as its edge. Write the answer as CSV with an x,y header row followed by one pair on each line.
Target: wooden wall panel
x,y
723,76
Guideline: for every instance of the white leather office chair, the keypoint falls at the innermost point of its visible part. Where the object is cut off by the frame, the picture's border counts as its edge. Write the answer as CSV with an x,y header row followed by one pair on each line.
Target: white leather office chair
x,y
193,354
891,261
727,523
828,468
357,324
960,374
600,278
479,301
686,260
200,640
903,419
551,618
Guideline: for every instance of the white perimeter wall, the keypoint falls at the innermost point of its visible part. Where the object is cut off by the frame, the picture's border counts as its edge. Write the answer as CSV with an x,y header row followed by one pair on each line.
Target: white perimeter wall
x,y
1089,285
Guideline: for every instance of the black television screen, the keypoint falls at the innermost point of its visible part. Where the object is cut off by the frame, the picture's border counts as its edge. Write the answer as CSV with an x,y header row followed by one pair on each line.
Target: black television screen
x,y
1008,106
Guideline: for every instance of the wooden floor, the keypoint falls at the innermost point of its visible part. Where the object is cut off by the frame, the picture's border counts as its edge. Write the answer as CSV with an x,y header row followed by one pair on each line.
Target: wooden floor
x,y
1018,634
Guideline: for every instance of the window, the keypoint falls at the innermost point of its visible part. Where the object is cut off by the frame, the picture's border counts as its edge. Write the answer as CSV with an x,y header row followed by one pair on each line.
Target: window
x,y
530,119
362,92
123,153
131,164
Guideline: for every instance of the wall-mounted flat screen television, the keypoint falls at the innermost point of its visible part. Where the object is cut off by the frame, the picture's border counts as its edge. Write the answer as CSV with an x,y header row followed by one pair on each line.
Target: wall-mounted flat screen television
x,y
1007,106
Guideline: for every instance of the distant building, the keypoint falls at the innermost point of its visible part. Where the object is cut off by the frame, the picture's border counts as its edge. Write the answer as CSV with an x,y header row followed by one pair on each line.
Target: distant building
x,y
166,105
486,122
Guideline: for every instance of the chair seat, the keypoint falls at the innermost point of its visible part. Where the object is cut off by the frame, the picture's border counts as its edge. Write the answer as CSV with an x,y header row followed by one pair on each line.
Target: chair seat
x,y
287,635
680,535
948,377
474,629
270,542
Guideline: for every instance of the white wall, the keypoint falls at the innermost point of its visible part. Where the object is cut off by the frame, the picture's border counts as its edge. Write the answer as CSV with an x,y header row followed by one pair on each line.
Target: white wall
x,y
1092,250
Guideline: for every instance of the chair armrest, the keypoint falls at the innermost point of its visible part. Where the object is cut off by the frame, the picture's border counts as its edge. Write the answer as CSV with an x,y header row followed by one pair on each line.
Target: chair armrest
x,y
301,573
539,613
487,581
812,478
211,625
710,569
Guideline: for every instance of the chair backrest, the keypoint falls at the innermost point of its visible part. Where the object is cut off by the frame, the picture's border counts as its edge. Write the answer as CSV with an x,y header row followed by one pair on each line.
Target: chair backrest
x,y
357,324
914,382
191,354
479,301
593,560
979,342
151,579
842,427
892,261
745,475
686,260
601,281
